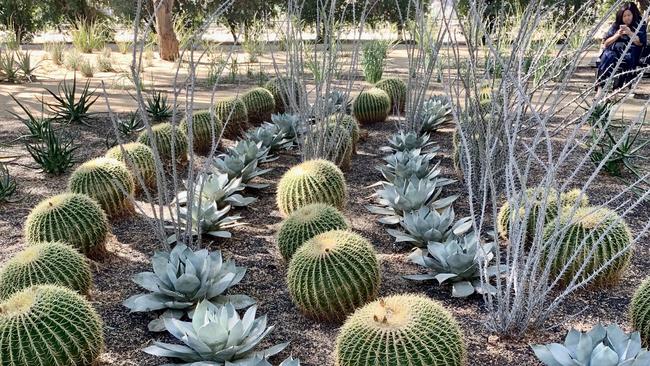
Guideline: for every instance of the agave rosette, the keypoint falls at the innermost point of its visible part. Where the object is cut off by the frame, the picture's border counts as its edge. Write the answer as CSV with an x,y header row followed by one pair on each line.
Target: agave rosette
x,y
181,279
217,187
405,164
270,136
436,112
206,218
403,196
601,346
251,150
425,225
236,167
288,124
458,261
410,141
217,335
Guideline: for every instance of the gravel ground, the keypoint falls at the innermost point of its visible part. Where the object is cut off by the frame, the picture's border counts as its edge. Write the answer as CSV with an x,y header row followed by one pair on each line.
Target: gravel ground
x,y
253,246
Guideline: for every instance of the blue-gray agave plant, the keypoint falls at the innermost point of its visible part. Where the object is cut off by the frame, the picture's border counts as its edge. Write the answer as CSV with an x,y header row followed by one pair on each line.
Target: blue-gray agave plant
x,y
236,167
288,124
205,218
458,261
403,196
251,150
601,346
409,141
181,279
271,136
217,187
425,225
435,112
258,361
217,335
406,164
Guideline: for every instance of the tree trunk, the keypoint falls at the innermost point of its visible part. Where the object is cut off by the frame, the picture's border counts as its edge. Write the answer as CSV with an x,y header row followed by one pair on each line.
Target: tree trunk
x,y
167,42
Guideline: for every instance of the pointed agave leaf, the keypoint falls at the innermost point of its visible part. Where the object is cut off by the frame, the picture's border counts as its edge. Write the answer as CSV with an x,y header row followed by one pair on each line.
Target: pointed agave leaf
x,y
462,289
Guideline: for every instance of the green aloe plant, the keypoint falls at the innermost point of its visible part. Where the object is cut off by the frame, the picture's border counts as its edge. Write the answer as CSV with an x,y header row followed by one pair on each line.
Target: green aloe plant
x,y
181,279
217,336
54,154
70,107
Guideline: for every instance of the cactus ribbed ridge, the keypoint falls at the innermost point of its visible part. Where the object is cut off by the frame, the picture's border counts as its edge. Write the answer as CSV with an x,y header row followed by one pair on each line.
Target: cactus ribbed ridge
x,y
282,88
351,124
138,158
401,330
107,181
49,325
314,181
73,218
260,104
203,128
233,116
396,90
590,223
371,106
640,311
332,274
162,137
305,223
45,263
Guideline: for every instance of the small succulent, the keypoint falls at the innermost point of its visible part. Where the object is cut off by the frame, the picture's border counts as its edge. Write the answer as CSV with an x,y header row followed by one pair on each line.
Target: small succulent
x,y
407,164
131,124
251,150
425,225
236,167
271,136
601,346
403,196
157,107
289,124
435,112
337,102
7,184
181,279
458,261
217,336
409,141
205,218
217,187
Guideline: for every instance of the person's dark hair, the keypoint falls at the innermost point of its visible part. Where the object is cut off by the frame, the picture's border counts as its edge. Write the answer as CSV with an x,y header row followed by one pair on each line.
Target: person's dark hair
x,y
636,14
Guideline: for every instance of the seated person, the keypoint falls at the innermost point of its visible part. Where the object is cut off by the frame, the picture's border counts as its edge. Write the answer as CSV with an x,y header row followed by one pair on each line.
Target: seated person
x,y
627,28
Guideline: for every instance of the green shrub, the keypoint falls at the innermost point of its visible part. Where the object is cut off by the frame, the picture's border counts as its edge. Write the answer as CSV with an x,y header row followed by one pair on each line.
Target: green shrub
x,y
396,90
332,274
87,69
73,60
138,158
314,181
260,104
371,106
104,61
107,181
640,311
305,223
373,59
401,330
233,115
49,325
162,135
88,36
43,264
283,88
73,218
204,127
590,224
55,51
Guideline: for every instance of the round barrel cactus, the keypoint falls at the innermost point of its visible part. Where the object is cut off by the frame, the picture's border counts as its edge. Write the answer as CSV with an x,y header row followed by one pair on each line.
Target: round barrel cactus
x,y
313,181
305,223
260,104
204,127
233,115
49,325
73,218
339,144
332,274
349,123
396,90
107,181
282,89
401,330
590,224
162,137
567,199
640,311
139,159
371,106
45,263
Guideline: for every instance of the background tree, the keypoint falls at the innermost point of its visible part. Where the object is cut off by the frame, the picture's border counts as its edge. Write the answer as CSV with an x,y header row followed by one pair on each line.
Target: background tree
x,y
167,41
